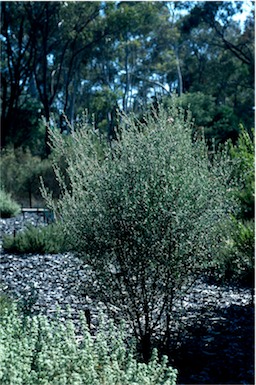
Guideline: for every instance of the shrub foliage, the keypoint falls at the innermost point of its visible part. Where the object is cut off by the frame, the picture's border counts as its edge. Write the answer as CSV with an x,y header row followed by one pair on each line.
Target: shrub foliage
x,y
148,215
40,240
241,247
8,207
20,175
36,351
243,153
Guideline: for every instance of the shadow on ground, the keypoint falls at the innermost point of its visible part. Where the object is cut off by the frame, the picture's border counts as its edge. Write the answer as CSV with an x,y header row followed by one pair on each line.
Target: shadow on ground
x,y
217,348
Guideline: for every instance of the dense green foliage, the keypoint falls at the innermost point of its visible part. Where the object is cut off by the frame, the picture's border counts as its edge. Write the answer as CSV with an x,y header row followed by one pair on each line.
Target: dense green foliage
x,y
36,351
148,216
59,59
8,207
105,56
20,175
240,253
5,303
243,153
37,240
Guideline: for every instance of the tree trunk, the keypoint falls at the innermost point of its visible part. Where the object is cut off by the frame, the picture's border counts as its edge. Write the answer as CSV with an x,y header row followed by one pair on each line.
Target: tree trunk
x,y
146,347
180,80
127,81
72,103
47,137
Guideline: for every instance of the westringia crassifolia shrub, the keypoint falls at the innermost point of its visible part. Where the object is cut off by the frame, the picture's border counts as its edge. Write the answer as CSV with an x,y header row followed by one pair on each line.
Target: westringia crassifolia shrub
x,y
148,213
36,351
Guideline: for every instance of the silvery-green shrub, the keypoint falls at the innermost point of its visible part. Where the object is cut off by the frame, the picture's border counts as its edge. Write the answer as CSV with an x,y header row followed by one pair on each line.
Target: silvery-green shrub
x,y
148,214
36,351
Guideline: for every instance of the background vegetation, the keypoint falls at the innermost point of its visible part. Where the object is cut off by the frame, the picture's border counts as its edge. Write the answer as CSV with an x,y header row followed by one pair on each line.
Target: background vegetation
x,y
61,58
64,57
8,207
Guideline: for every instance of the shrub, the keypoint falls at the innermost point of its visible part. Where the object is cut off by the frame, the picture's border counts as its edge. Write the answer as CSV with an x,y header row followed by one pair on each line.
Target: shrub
x,y
35,351
243,154
21,172
149,217
240,251
5,303
41,240
8,207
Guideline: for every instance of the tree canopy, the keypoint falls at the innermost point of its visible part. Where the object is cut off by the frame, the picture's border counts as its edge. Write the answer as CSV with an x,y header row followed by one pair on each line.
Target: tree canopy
x,y
60,58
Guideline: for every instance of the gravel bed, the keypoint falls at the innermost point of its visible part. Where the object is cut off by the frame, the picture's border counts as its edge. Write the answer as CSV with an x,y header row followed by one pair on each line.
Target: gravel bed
x,y
45,282
216,322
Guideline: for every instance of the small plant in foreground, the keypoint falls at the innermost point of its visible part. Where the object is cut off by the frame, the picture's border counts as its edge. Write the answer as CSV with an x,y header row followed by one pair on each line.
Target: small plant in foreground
x,y
41,240
8,207
36,351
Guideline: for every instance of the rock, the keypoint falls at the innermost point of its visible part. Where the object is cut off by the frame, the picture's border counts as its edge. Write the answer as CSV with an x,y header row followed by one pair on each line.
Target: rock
x,y
215,321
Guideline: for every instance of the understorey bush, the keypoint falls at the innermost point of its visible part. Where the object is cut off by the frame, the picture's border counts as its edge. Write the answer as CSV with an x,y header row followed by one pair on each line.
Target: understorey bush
x,y
240,250
239,254
243,152
36,351
5,302
41,240
149,215
20,175
8,207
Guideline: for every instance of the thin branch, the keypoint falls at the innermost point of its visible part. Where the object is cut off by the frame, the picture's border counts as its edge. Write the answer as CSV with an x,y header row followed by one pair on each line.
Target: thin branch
x,y
155,82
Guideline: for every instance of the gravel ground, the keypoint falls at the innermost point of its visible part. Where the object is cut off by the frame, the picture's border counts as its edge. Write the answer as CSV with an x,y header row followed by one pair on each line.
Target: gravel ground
x,y
216,323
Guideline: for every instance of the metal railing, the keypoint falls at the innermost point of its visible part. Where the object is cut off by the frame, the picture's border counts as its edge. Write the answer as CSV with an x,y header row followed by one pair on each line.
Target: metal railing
x,y
47,214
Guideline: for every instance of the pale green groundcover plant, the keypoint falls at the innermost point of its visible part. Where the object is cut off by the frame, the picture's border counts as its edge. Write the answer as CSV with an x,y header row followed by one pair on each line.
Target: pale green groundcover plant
x,y
148,213
36,351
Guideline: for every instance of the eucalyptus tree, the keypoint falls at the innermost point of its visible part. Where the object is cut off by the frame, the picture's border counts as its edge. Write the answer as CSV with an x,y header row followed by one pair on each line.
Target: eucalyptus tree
x,y
61,34
116,78
217,61
16,66
219,16
167,50
104,56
